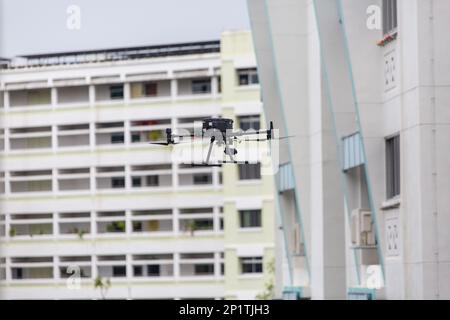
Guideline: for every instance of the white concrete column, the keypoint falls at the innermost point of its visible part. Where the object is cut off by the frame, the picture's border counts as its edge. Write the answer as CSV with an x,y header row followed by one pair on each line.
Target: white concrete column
x,y
7,225
56,275
216,219
55,186
176,221
126,93
6,100
55,224
214,86
93,224
215,178
54,97
6,138
93,181
174,89
92,139
176,266
54,138
129,269
92,95
7,183
127,133
8,269
127,178
175,178
94,266
217,265
128,223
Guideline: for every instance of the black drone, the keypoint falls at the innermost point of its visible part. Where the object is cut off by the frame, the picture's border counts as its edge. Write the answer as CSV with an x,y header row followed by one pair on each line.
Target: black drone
x,y
220,131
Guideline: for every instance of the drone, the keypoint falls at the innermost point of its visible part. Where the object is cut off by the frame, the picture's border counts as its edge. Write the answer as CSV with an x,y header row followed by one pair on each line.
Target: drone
x,y
220,132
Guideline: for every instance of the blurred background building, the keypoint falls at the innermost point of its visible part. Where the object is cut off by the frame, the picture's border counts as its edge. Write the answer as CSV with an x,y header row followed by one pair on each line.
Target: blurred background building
x,y
364,87
85,197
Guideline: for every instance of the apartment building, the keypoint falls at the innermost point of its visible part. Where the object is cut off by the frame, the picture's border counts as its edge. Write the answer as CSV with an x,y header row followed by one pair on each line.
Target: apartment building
x,y
90,209
363,87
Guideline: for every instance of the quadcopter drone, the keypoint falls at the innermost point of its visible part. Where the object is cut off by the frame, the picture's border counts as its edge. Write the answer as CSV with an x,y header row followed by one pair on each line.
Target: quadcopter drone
x,y
220,132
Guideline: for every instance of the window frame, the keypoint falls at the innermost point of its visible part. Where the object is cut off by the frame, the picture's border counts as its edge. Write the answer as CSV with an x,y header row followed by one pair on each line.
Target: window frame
x,y
114,90
250,120
199,83
256,265
393,166
247,175
252,219
389,17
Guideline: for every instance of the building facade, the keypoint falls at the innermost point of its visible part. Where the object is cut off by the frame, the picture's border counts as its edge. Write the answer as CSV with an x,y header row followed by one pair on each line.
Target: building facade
x,y
90,209
364,88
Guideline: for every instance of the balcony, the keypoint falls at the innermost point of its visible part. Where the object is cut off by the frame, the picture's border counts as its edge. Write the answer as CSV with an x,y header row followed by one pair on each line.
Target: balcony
x,y
110,133
153,266
110,178
150,90
31,181
30,268
30,138
75,223
74,95
29,98
73,179
113,266
194,87
75,265
189,176
111,222
31,225
197,265
139,267
196,220
109,93
151,176
74,135
152,222
144,131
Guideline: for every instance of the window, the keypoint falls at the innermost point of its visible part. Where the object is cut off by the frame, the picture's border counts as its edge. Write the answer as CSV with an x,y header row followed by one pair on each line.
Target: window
x,y
152,181
250,171
393,167
250,218
389,16
202,178
201,86
136,182
137,271
118,182
135,137
251,265
119,271
249,122
150,89
248,76
204,269
117,138
116,92
153,270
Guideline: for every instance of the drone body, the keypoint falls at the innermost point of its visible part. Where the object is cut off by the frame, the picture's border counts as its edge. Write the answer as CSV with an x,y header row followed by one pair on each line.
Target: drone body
x,y
219,131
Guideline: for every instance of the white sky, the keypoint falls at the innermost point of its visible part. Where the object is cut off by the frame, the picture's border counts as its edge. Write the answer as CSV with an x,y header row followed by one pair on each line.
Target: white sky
x,y
39,26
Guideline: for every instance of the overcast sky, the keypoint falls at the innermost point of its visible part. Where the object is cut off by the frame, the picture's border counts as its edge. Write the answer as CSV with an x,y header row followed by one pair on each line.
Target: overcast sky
x,y
40,26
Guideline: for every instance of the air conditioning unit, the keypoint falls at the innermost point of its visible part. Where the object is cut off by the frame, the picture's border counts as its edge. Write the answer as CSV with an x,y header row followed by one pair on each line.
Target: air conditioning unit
x,y
362,228
298,241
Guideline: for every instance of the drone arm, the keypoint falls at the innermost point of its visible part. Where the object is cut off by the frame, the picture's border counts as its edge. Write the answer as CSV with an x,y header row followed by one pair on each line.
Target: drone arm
x,y
211,143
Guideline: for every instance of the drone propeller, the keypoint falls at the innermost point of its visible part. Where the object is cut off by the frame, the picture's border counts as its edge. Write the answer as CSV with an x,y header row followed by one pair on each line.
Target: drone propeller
x,y
265,139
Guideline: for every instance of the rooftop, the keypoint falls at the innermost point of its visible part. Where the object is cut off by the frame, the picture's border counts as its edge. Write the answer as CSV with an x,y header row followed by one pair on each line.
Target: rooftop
x,y
111,54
